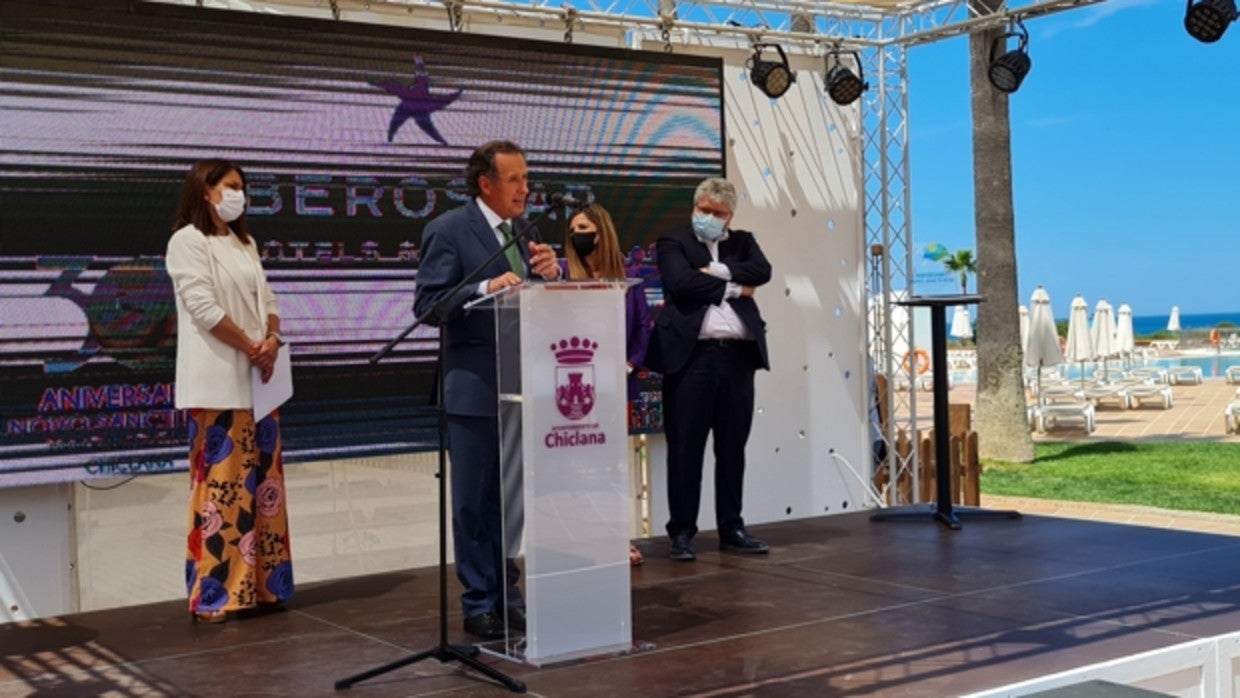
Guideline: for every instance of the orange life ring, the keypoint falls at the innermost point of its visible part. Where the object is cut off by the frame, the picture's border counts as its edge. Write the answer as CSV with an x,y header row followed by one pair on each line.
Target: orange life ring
x,y
1214,337
921,359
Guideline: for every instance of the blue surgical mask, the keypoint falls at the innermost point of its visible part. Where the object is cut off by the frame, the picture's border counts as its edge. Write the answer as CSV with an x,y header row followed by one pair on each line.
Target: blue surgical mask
x,y
707,227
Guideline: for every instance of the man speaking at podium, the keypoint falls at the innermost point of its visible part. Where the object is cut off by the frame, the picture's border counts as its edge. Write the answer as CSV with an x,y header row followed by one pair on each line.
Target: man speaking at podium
x,y
454,245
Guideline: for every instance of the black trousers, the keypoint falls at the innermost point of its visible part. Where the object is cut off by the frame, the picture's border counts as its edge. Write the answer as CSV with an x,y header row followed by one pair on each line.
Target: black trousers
x,y
712,395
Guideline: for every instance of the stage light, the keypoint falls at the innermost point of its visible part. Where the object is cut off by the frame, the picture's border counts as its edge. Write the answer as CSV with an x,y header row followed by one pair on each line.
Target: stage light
x,y
1208,19
772,77
1009,70
843,86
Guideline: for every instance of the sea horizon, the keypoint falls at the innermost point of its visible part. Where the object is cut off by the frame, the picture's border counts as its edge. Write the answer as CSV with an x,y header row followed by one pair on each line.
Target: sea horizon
x,y
1149,324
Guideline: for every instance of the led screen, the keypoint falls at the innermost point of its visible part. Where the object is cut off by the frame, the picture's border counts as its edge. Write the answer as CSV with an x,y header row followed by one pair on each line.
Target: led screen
x,y
352,138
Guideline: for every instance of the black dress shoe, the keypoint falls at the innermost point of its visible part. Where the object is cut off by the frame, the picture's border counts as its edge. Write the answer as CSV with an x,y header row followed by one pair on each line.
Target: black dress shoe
x,y
485,626
682,548
516,619
739,541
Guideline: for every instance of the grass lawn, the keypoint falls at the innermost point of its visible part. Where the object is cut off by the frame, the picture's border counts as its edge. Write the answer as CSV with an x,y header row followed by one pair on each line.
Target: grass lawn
x,y
1188,476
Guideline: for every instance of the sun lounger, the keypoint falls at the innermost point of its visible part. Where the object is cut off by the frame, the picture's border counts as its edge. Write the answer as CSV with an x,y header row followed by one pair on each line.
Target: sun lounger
x,y
1107,392
1060,392
1233,374
1158,375
1184,375
1231,417
962,360
923,382
1141,393
1049,415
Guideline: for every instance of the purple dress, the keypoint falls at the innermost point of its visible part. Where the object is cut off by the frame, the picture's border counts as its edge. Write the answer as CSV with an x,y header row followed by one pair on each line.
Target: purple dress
x,y
637,326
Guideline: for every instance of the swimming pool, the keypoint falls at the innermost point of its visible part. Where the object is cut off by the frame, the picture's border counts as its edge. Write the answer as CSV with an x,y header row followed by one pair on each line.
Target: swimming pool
x,y
1211,365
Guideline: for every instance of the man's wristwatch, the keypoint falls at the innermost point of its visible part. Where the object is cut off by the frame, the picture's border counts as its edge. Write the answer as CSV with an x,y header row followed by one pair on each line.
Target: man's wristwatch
x,y
279,339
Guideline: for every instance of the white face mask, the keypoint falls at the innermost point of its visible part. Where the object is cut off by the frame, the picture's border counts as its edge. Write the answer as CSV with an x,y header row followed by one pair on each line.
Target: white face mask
x,y
231,205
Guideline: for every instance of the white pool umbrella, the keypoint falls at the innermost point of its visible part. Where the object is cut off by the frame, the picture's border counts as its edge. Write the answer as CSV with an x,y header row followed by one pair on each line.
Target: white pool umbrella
x,y
1042,342
1173,322
1102,334
1080,346
1125,341
962,324
1024,327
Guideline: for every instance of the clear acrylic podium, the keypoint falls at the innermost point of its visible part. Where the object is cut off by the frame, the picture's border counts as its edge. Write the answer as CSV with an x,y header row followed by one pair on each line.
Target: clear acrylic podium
x,y
564,464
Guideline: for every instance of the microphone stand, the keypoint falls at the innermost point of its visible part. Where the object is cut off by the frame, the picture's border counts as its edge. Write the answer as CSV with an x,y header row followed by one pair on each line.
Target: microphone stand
x,y
444,651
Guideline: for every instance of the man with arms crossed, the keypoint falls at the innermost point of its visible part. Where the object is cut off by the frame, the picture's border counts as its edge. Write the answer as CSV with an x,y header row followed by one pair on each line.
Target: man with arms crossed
x,y
709,339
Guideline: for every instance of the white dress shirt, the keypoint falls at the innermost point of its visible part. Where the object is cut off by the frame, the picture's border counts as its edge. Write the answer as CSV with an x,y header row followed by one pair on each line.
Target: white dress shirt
x,y
721,321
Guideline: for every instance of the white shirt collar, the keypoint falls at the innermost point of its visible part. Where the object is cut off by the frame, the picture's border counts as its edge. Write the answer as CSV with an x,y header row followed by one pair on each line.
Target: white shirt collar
x,y
492,217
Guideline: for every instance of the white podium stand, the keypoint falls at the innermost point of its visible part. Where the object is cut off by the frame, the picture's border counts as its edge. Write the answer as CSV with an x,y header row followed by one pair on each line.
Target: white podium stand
x,y
564,464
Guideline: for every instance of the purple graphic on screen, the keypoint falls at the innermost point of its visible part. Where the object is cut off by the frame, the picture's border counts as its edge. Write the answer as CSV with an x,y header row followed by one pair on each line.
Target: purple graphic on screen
x,y
416,102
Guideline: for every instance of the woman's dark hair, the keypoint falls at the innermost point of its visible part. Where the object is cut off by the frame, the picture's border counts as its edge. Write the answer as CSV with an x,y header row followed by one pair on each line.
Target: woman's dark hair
x,y
195,209
482,162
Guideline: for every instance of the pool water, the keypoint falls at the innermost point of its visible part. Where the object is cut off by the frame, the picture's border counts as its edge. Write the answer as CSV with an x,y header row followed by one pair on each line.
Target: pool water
x,y
1210,365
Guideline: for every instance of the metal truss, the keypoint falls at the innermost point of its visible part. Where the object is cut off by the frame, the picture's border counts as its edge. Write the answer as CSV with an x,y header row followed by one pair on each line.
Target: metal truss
x,y
888,234
802,26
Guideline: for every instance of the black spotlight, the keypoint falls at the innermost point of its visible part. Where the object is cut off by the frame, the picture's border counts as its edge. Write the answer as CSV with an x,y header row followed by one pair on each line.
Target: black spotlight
x,y
843,86
772,77
1009,70
1207,20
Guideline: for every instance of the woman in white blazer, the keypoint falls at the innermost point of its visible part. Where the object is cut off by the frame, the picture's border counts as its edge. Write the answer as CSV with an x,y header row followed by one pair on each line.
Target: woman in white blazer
x,y
237,553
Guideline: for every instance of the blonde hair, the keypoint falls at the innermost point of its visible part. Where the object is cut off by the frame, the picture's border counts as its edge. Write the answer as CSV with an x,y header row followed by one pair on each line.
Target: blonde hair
x,y
611,262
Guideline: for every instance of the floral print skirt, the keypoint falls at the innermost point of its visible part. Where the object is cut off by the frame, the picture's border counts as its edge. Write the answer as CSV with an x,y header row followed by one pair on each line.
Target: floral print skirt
x,y
237,554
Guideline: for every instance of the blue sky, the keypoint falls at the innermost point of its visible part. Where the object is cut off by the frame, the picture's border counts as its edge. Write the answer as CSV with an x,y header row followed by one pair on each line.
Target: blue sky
x,y
1125,159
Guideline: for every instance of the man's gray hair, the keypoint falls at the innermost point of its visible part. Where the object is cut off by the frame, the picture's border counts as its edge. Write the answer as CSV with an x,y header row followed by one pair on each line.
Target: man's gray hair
x,y
718,190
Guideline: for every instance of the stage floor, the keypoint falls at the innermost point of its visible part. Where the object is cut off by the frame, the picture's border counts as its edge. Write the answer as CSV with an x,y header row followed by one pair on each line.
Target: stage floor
x,y
841,606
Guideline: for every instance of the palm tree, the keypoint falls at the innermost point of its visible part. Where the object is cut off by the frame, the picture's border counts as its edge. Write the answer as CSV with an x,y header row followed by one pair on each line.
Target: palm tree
x,y
1000,418
962,263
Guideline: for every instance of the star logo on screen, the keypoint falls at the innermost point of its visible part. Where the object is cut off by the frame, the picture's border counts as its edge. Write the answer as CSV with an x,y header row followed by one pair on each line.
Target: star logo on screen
x,y
416,102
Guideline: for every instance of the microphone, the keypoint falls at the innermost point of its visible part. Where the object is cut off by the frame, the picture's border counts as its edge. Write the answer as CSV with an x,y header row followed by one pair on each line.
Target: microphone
x,y
565,199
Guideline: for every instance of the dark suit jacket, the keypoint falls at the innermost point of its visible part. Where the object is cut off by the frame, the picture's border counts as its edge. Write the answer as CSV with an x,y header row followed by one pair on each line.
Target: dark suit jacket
x,y
453,245
687,293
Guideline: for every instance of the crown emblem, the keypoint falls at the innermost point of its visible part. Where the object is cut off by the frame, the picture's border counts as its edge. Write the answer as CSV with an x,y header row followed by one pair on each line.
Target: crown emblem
x,y
575,350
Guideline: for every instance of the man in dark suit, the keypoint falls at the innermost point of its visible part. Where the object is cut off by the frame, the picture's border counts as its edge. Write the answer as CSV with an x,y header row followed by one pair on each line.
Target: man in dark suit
x,y
709,339
455,244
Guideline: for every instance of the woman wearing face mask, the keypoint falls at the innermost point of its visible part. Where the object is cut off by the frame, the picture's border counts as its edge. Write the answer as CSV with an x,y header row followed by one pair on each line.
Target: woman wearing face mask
x,y
237,554
593,252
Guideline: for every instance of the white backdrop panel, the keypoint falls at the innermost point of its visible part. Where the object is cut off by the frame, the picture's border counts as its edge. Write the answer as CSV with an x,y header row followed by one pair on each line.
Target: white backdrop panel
x,y
796,162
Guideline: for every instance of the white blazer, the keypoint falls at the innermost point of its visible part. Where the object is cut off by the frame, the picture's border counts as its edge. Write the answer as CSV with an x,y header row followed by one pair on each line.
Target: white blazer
x,y
208,283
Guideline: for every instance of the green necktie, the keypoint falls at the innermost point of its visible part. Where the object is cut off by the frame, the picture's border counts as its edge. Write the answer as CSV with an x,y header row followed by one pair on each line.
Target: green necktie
x,y
514,255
